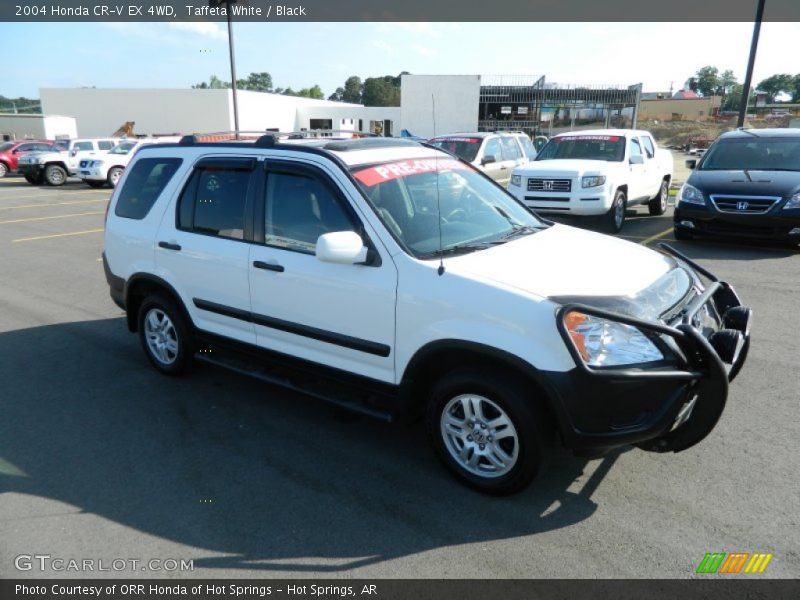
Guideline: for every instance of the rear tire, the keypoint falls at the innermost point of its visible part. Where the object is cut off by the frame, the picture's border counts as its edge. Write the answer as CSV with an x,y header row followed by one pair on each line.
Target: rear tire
x,y
658,205
55,175
486,428
165,335
614,220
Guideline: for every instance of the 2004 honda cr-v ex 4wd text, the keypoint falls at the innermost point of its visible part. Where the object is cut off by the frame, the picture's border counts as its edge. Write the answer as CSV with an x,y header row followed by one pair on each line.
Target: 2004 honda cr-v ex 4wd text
x,y
391,278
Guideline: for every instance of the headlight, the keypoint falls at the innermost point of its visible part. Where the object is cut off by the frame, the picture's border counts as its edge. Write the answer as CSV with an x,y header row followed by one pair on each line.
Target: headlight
x,y
690,195
794,202
516,180
604,343
593,180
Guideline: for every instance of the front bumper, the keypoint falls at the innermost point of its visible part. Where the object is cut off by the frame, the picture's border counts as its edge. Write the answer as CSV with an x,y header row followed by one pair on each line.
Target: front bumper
x,y
579,201
662,407
92,174
774,225
32,170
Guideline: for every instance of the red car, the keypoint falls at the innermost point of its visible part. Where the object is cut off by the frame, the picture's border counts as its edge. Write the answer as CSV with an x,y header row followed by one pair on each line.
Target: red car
x,y
10,153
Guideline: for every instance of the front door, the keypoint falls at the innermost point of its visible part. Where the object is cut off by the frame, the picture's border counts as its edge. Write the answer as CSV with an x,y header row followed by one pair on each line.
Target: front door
x,y
339,315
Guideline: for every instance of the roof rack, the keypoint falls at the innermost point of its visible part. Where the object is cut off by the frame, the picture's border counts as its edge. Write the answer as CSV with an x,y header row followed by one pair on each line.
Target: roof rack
x,y
219,136
271,137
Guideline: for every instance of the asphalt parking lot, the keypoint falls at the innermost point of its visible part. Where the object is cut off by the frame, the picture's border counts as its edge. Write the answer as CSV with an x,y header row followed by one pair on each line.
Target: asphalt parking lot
x,y
102,458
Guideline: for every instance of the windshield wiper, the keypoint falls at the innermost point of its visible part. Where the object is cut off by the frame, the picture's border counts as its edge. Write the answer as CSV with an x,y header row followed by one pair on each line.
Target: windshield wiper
x,y
519,231
457,249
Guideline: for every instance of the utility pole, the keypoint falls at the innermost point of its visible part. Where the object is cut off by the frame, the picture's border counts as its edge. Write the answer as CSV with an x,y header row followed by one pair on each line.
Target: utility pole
x,y
751,61
228,12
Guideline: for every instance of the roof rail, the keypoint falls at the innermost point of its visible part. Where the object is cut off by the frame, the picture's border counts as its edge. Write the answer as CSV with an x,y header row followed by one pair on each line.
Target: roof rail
x,y
219,136
269,139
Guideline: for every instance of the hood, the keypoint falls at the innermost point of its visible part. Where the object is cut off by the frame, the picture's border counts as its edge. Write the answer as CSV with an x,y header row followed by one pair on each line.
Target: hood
x,y
564,167
764,183
566,261
43,153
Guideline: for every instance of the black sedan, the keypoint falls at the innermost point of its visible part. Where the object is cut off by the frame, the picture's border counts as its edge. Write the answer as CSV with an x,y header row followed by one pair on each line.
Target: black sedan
x,y
747,185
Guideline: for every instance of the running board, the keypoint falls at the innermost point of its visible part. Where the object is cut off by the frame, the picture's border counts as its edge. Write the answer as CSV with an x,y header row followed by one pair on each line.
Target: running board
x,y
334,392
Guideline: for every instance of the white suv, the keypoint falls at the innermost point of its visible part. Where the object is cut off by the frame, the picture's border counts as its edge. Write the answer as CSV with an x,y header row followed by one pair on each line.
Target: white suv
x,y
107,169
54,167
495,153
388,277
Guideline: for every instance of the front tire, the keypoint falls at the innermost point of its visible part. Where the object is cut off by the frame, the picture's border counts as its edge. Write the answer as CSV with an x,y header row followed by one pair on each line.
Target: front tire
x,y
34,179
3,170
165,335
681,234
658,205
485,428
55,175
614,220
114,173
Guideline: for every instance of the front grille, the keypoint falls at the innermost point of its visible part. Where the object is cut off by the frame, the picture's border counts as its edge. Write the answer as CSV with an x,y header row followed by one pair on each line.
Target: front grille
x,y
540,184
744,205
546,199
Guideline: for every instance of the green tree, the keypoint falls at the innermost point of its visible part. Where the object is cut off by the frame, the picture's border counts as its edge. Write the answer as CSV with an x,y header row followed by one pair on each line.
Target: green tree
x,y
776,84
796,88
727,81
708,80
381,91
353,90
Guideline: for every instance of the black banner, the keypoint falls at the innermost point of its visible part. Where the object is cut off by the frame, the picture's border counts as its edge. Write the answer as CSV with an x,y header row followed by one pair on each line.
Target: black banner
x,y
396,10
732,588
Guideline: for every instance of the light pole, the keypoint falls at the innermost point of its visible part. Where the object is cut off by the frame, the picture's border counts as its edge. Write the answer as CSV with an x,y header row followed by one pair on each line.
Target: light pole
x,y
227,3
748,79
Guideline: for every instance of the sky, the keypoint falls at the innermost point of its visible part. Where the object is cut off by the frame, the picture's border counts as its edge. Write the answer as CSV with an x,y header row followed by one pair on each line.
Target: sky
x,y
298,55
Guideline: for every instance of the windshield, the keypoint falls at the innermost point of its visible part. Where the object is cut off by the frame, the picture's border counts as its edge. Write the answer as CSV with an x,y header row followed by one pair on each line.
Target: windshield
x,y
6,146
122,148
465,148
756,154
584,147
409,196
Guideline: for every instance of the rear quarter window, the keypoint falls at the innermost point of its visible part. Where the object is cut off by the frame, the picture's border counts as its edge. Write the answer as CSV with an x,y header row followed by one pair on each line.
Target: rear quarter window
x,y
143,185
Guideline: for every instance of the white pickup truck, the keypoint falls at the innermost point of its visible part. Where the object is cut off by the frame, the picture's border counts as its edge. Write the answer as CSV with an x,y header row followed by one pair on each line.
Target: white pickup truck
x,y
596,173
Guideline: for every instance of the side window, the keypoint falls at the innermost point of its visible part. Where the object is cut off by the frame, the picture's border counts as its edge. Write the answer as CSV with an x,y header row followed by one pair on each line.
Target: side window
x,y
636,149
493,149
146,180
83,146
214,201
105,145
299,209
527,147
41,147
26,147
511,150
649,148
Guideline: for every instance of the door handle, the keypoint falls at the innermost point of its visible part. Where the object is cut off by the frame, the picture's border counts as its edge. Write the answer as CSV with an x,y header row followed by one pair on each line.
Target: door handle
x,y
168,246
260,264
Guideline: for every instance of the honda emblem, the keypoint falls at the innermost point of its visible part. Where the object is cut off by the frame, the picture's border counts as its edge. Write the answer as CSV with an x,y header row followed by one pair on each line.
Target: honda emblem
x,y
547,184
742,205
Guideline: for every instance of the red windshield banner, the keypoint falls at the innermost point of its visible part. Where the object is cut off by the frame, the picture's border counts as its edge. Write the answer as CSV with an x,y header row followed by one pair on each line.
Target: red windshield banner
x,y
388,171
587,138
456,139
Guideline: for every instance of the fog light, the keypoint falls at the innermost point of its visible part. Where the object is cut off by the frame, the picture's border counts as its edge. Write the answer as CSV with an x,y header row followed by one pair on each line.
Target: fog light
x,y
737,317
795,231
727,343
688,224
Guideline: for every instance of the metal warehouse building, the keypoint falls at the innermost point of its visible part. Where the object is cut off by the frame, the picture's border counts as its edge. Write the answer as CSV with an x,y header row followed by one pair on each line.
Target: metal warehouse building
x,y
429,105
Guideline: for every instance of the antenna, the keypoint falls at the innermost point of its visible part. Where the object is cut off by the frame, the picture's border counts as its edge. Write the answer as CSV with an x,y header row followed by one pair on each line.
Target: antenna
x,y
440,270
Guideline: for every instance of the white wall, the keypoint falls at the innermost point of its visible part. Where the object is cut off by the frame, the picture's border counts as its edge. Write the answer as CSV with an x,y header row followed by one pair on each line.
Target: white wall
x,y
456,100
37,126
100,112
260,111
346,116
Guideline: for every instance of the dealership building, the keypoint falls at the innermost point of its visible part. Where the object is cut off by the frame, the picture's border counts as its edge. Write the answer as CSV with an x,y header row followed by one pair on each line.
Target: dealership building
x,y
429,105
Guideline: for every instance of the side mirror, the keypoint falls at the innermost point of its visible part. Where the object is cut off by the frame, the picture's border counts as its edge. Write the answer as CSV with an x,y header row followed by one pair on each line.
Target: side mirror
x,y
637,160
489,159
342,247
73,152
691,163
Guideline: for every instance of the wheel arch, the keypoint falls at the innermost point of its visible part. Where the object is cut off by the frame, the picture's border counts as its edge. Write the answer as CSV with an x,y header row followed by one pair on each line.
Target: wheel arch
x,y
437,358
141,285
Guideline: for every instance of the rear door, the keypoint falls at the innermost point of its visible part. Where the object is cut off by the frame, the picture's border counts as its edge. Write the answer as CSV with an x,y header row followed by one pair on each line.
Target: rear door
x,y
339,315
202,244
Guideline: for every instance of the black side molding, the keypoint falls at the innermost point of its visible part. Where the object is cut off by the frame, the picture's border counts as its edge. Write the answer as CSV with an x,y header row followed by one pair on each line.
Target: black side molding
x,y
322,335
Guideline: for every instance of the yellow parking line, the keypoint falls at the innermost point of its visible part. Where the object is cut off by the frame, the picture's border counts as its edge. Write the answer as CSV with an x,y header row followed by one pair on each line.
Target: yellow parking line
x,y
89,191
56,235
657,236
54,217
52,204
